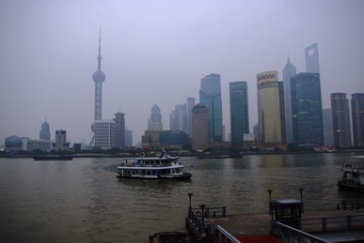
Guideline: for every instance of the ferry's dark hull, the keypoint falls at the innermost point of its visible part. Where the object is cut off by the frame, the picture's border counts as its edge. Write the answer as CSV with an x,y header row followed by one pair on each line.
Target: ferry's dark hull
x,y
350,186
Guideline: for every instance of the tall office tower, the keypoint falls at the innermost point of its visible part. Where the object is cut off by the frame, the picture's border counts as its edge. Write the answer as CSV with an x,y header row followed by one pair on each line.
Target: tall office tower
x,y
61,140
155,120
104,133
327,126
119,130
270,109
200,127
357,112
312,59
288,71
128,137
239,113
44,131
190,103
210,96
306,109
180,117
340,120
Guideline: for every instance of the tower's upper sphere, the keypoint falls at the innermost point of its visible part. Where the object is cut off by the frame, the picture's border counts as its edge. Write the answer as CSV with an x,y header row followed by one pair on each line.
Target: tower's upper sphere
x,y
99,76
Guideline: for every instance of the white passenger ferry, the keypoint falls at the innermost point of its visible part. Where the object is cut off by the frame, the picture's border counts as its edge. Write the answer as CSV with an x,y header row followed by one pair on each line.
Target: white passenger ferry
x,y
353,174
162,166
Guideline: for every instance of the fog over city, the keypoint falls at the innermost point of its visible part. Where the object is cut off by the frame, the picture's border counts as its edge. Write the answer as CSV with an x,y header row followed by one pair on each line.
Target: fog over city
x,y
156,52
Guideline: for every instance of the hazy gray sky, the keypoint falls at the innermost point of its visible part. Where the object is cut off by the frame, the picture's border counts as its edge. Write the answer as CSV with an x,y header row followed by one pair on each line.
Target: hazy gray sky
x,y
155,52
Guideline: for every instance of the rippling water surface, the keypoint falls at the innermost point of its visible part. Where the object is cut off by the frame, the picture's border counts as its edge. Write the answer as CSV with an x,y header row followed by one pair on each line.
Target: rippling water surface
x,y
82,201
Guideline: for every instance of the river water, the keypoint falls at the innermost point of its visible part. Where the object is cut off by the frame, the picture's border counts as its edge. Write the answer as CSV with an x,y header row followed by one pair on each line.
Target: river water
x,y
82,200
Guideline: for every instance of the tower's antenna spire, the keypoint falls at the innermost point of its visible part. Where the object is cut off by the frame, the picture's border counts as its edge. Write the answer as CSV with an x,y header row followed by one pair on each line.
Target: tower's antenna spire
x,y
99,56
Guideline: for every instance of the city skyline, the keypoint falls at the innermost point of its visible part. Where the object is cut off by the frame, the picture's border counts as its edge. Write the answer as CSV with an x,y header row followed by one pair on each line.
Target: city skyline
x,y
152,54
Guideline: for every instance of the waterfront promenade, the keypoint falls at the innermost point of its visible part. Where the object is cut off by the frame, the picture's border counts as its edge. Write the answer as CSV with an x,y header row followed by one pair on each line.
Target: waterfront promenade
x,y
332,225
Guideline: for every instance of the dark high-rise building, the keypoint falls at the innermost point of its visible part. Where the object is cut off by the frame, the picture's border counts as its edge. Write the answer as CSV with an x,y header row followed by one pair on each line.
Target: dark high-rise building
x,y
307,109
340,120
119,130
210,96
312,59
239,113
155,120
357,112
327,126
44,131
200,127
288,71
190,103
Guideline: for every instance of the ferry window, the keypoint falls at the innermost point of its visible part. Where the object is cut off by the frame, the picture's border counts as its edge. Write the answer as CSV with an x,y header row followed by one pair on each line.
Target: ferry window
x,y
289,212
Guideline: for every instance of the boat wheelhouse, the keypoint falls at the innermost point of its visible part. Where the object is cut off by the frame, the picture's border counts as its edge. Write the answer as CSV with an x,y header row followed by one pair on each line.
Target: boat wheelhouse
x,y
162,166
353,174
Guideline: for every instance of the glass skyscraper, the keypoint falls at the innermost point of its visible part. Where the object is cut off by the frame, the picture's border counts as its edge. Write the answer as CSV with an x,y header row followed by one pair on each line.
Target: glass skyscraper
x,y
181,117
340,120
328,128
357,112
239,113
210,96
307,109
312,59
288,71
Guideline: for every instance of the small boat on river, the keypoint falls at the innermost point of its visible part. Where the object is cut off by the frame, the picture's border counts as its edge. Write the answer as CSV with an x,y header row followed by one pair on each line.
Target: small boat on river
x,y
162,166
53,157
353,174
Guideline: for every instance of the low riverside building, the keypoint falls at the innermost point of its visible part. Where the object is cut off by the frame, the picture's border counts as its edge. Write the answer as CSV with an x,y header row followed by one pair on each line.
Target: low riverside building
x,y
15,143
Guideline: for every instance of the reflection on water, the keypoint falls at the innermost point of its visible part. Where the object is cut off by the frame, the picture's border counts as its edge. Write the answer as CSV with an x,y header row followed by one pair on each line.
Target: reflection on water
x,y
81,200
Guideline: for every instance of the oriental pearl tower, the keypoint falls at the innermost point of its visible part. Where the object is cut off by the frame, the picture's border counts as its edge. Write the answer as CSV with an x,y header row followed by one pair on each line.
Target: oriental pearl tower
x,y
99,78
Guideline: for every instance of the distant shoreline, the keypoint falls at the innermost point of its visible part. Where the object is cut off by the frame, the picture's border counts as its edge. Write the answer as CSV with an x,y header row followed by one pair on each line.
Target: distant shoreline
x,y
197,155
